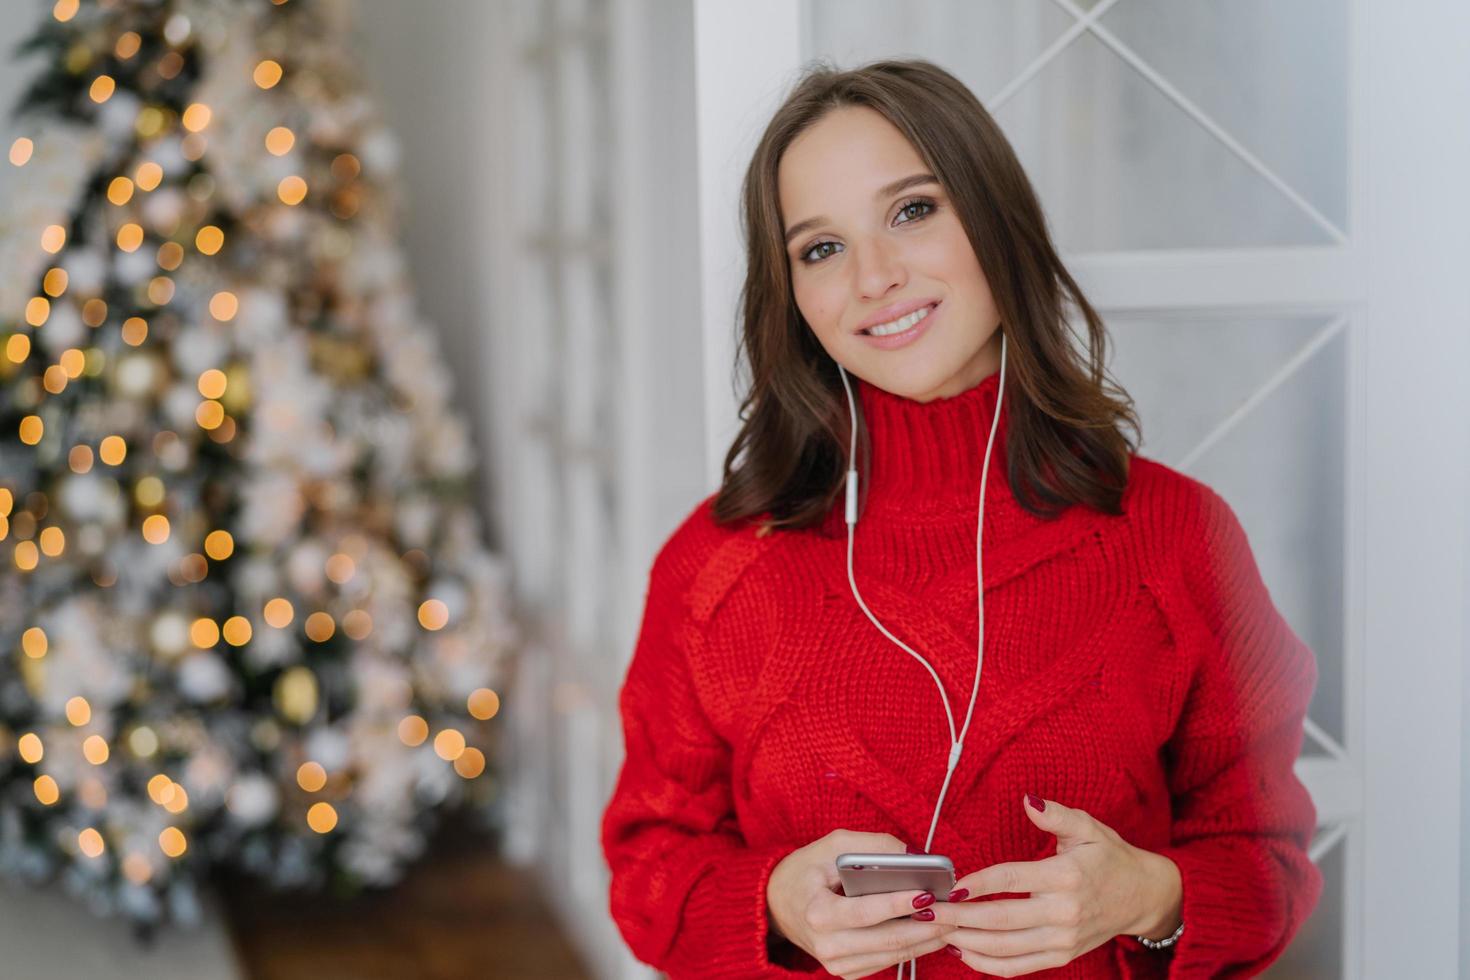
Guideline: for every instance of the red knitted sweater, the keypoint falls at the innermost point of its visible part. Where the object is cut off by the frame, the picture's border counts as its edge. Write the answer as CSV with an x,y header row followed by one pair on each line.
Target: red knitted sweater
x,y
1135,667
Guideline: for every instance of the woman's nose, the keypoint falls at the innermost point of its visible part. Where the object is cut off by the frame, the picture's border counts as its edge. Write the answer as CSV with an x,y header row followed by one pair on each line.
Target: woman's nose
x,y
878,268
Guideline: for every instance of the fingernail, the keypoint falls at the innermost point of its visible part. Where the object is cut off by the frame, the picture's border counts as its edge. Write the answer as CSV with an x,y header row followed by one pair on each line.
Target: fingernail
x,y
959,894
955,950
1037,803
911,849
923,899
923,915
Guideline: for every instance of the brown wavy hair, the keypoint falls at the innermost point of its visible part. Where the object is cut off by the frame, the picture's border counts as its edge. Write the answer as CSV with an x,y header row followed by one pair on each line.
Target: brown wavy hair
x,y
1063,438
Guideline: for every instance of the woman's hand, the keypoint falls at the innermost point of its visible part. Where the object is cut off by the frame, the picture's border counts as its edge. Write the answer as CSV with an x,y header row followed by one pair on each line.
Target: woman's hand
x,y
1097,886
850,937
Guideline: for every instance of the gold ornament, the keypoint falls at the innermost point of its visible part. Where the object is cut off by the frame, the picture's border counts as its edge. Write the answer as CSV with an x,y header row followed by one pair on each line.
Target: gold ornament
x,y
296,695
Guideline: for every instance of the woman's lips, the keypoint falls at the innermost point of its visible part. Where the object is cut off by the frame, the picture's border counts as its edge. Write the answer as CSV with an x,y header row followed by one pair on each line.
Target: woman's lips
x,y
896,340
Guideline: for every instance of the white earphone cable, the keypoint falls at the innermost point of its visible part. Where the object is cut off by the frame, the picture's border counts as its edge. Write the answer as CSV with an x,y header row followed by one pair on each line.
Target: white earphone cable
x,y
957,740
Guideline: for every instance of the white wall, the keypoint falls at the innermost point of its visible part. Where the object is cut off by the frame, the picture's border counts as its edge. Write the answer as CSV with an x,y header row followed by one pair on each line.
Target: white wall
x,y
552,145
432,67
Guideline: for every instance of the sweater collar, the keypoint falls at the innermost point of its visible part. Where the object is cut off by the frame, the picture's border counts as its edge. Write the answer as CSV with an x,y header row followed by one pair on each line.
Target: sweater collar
x,y
928,457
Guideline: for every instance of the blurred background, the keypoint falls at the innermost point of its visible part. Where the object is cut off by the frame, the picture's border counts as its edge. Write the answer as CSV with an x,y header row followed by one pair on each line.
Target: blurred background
x,y
359,356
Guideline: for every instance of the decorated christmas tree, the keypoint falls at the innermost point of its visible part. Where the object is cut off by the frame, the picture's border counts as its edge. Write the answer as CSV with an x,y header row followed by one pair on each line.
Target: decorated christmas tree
x,y
247,616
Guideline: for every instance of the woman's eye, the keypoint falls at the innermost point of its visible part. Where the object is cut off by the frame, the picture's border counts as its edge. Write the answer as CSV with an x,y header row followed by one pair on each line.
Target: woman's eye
x,y
917,203
806,256
903,209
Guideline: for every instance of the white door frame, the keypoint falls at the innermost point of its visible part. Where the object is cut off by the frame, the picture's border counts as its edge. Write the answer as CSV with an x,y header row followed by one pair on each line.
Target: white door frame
x,y
1416,482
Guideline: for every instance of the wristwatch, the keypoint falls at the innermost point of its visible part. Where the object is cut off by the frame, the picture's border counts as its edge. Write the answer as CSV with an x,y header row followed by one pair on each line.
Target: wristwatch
x,y
1161,943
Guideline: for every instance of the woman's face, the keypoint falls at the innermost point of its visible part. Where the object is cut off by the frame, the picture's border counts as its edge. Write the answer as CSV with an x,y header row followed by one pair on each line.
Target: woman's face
x,y
863,252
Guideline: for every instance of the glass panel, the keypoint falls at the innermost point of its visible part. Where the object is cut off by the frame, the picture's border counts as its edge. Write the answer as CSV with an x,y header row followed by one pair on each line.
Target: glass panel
x,y
1274,75
586,591
1316,952
584,311
985,43
1281,467
1119,165
580,125
538,529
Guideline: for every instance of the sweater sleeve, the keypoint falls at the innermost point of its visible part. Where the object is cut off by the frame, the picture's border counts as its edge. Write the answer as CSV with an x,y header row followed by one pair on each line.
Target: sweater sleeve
x,y
687,893
1242,820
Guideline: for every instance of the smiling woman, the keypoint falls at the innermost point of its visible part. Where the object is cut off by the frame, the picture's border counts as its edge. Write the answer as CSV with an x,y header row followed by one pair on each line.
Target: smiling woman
x,y
842,276
875,194
1129,771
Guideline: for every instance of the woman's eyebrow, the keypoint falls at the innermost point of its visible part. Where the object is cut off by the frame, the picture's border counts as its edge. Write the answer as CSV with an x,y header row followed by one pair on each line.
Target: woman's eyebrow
x,y
887,190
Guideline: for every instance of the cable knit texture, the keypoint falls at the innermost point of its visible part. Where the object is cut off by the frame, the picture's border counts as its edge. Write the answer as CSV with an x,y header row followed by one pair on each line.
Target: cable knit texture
x,y
1135,667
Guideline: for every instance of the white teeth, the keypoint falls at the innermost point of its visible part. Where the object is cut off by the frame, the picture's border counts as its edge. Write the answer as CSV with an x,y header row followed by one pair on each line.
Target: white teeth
x,y
901,324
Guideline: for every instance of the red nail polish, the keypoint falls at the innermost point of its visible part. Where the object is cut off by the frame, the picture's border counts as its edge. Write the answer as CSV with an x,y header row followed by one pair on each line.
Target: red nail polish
x,y
911,849
923,915
923,899
955,950
1037,803
959,894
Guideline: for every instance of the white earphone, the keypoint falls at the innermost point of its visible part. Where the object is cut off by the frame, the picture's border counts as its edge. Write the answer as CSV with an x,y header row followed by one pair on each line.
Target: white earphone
x,y
957,739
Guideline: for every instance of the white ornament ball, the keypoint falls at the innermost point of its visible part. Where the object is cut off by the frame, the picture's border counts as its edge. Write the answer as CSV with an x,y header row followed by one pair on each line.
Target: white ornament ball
x,y
252,800
203,677
170,634
135,374
85,271
164,208
63,328
306,568
330,747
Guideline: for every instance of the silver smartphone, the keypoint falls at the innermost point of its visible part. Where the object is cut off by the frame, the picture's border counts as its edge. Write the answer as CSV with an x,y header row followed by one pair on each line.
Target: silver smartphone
x,y
870,874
